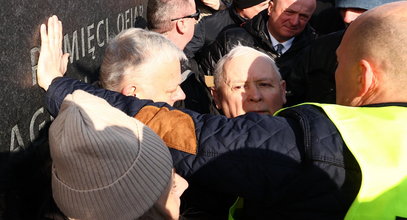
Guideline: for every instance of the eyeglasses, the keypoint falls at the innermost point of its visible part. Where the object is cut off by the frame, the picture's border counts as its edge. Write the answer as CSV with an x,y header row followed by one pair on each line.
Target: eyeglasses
x,y
194,16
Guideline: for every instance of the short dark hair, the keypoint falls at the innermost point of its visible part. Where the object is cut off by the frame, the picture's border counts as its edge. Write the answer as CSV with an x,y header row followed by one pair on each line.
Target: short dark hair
x,y
160,13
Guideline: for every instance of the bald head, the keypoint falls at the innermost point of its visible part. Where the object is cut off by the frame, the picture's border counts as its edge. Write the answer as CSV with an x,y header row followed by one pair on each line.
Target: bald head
x,y
380,34
372,57
243,56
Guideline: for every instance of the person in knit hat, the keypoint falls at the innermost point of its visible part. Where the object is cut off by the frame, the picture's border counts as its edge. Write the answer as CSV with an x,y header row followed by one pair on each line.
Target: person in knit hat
x,y
341,14
351,9
107,165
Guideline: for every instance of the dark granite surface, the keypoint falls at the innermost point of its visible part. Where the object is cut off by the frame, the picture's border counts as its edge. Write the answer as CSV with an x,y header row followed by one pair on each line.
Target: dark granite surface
x,y
87,27
24,153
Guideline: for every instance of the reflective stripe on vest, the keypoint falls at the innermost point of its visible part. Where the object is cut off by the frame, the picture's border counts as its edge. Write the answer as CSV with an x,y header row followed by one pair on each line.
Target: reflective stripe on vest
x,y
377,137
235,209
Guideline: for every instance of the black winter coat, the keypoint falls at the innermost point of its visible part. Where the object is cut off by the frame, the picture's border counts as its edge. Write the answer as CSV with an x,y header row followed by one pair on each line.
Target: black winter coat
x,y
254,34
208,28
313,77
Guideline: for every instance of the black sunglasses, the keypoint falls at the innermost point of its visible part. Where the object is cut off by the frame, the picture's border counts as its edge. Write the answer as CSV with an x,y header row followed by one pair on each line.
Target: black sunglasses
x,y
194,16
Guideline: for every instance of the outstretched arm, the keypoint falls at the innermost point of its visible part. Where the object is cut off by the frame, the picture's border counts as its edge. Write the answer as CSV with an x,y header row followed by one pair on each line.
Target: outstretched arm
x,y
52,63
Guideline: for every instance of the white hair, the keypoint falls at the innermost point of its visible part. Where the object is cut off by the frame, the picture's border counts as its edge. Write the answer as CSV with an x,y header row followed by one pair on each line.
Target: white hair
x,y
238,51
135,49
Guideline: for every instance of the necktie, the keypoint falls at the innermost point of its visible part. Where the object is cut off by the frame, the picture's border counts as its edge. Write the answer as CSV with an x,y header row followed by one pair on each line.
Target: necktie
x,y
279,49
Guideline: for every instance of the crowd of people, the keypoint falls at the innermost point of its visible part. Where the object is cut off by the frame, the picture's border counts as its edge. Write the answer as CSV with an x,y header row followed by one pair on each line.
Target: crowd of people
x,y
250,113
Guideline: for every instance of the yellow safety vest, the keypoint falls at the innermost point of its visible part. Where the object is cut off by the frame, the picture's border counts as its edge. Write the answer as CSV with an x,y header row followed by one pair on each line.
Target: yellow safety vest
x,y
377,137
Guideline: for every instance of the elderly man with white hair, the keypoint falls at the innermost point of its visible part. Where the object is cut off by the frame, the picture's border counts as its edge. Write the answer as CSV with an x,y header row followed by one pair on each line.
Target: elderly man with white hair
x,y
247,80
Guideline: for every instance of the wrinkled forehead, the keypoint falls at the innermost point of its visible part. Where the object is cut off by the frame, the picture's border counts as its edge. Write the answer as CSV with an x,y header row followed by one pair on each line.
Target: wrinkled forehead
x,y
250,67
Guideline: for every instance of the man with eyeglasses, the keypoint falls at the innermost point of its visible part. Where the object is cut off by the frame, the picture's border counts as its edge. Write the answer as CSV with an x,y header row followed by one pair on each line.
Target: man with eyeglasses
x,y
176,20
194,16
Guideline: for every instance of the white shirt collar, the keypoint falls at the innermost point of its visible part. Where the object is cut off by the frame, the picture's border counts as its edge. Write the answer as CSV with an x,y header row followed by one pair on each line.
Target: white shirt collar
x,y
287,44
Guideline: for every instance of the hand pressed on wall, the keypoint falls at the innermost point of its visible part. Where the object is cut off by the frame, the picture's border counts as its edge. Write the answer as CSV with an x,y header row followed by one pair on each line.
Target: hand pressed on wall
x,y
52,62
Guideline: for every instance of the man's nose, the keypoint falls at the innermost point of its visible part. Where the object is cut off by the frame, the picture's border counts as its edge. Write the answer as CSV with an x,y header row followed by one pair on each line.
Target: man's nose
x,y
294,19
254,94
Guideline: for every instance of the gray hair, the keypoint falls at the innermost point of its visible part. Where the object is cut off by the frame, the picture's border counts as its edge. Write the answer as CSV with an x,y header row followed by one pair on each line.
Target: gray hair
x,y
160,13
237,51
135,48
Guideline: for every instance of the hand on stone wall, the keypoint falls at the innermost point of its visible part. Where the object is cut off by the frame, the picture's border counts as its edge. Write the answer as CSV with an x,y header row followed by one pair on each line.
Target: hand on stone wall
x,y
52,62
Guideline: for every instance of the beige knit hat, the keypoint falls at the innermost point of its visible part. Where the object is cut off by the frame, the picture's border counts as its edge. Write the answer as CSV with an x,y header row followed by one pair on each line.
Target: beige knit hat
x,y
106,165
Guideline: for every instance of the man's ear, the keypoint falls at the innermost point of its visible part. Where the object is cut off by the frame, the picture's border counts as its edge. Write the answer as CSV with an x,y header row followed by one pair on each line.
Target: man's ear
x,y
367,78
215,94
129,90
181,26
270,8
